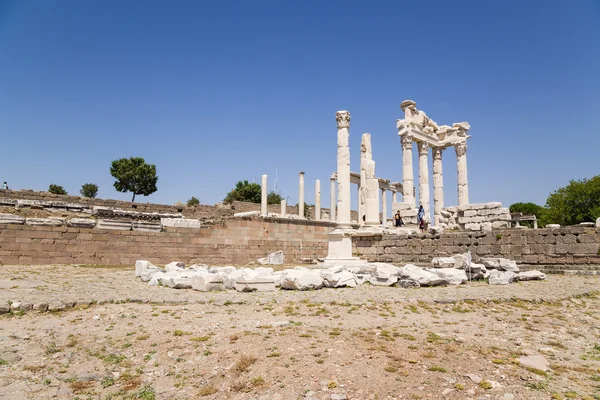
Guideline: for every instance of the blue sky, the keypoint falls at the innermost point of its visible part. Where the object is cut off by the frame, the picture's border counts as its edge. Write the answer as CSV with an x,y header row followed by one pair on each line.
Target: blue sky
x,y
216,92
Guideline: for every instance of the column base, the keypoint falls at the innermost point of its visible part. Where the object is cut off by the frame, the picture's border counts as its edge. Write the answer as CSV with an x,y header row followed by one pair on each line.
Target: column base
x,y
340,247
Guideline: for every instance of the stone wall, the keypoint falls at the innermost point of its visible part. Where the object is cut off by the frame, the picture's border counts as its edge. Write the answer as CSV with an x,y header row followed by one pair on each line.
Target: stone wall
x,y
563,250
237,241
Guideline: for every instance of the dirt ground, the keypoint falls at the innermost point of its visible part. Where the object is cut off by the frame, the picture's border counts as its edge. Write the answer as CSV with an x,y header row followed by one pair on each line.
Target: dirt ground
x,y
126,340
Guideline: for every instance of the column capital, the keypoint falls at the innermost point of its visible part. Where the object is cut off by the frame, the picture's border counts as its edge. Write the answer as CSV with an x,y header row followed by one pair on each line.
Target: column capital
x,y
423,148
461,149
343,119
436,152
407,142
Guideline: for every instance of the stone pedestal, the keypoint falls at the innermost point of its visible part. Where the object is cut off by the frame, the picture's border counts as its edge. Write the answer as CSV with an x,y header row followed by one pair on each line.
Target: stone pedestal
x,y
407,170
317,200
424,177
462,181
263,197
301,195
438,185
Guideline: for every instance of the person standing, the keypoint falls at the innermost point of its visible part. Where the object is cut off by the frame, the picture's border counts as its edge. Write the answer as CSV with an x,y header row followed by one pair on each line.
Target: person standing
x,y
398,219
420,214
4,185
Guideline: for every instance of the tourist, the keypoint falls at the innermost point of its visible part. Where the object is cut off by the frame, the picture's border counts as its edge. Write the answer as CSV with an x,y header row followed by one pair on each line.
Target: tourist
x,y
398,219
422,225
4,185
421,214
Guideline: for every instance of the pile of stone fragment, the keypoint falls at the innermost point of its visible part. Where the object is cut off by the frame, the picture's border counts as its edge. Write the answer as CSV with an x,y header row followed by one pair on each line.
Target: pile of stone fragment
x,y
445,271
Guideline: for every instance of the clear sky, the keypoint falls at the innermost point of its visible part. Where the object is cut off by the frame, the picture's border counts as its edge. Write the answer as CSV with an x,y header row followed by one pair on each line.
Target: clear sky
x,y
213,92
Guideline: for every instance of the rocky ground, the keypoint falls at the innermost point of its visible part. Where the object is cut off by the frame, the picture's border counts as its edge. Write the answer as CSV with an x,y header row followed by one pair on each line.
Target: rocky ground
x,y
110,336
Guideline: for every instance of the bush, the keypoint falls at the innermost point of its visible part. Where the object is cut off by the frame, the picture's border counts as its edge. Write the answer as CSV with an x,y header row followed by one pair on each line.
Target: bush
x,y
89,190
577,202
55,189
193,201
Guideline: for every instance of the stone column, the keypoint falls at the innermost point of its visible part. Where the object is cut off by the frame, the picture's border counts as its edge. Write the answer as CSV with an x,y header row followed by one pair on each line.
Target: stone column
x,y
407,170
283,208
301,195
394,197
424,177
438,184
332,207
263,197
361,202
343,170
317,200
371,192
366,154
383,207
461,165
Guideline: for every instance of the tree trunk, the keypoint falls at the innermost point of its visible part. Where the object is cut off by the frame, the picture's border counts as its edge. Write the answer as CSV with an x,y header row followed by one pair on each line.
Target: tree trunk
x,y
133,198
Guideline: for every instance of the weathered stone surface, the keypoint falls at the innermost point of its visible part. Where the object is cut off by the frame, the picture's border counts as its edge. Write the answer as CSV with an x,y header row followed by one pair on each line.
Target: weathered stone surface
x,y
226,270
338,277
11,219
7,202
81,223
181,223
114,224
502,264
598,223
531,276
407,284
45,221
175,266
501,277
553,226
147,226
247,214
275,258
301,279
424,278
443,262
141,265
537,362
208,282
452,276
255,283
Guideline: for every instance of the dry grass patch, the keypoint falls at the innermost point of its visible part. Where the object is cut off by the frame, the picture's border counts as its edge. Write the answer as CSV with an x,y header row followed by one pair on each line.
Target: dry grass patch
x,y
208,390
81,386
244,363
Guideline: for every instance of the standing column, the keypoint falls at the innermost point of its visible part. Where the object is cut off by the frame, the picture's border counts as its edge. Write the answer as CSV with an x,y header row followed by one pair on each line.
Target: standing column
x,y
461,165
438,185
394,197
424,177
301,195
407,170
343,170
361,204
317,200
383,207
332,199
283,208
263,197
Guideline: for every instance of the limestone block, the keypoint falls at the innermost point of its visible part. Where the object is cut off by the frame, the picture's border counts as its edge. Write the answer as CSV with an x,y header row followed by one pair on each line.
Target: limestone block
x,y
33,203
486,226
470,213
81,223
255,284
556,226
473,227
531,276
500,224
501,277
247,214
588,224
112,224
419,275
155,277
443,262
275,258
502,264
181,222
493,204
175,266
401,206
8,202
409,213
141,265
476,271
338,277
147,226
45,221
151,271
11,219
598,223
225,270
452,276
208,282
301,280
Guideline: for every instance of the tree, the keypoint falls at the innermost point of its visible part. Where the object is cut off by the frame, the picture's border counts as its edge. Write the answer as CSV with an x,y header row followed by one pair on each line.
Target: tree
x,y
577,202
89,190
244,191
274,198
193,201
530,209
134,175
55,189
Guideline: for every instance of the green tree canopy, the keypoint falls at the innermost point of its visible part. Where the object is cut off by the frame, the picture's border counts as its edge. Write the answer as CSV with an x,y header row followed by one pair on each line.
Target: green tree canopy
x,y
56,189
274,198
244,191
530,209
577,202
134,175
89,190
193,201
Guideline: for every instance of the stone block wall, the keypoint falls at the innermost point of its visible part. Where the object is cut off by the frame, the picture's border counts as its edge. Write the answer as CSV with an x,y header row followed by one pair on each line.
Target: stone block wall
x,y
563,250
237,241
476,217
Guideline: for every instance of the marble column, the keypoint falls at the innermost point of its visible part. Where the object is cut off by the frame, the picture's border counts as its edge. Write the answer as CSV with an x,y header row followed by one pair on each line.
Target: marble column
x,y
317,200
301,195
343,170
361,201
394,197
383,207
332,190
371,192
461,165
263,197
424,177
407,170
438,184
283,208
